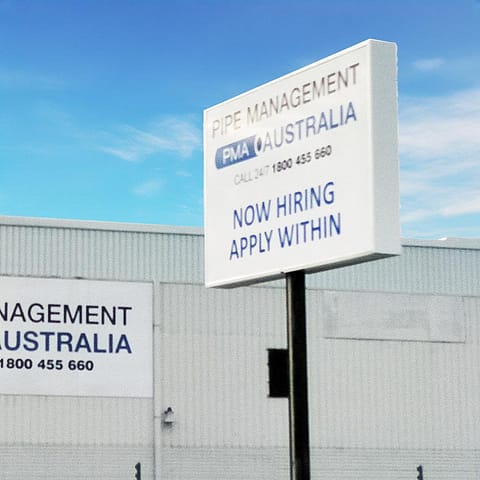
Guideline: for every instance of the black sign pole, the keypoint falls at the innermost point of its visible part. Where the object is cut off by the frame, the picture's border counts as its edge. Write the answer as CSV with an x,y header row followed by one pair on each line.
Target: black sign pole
x,y
298,383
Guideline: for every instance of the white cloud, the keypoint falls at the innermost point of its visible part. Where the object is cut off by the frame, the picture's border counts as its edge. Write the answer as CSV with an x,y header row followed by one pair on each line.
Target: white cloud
x,y
465,205
148,188
440,157
454,70
428,64
19,79
176,135
125,154
183,173
434,127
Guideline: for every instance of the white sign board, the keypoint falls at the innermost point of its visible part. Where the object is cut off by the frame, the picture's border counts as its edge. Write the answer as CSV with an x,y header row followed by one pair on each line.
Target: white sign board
x,y
75,337
302,173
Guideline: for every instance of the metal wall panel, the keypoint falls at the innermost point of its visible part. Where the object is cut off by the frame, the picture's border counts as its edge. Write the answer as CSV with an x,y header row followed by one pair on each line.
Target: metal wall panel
x,y
327,463
423,267
395,394
75,420
74,437
61,462
392,316
87,252
145,252
370,397
212,366
378,407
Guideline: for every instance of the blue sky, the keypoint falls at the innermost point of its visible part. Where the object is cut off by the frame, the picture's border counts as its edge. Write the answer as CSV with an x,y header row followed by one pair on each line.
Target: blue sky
x,y
101,102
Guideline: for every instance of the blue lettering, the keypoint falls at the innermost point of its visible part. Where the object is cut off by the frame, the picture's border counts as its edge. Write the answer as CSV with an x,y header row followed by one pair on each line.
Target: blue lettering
x,y
8,345
64,338
123,344
47,336
289,135
82,343
235,152
350,113
251,213
332,123
234,250
30,343
254,243
323,122
285,236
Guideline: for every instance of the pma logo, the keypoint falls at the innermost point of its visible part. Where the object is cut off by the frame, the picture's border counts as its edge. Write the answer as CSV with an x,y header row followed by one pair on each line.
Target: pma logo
x,y
236,152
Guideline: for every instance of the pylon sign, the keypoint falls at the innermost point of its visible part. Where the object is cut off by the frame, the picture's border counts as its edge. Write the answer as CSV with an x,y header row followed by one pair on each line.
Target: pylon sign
x,y
302,172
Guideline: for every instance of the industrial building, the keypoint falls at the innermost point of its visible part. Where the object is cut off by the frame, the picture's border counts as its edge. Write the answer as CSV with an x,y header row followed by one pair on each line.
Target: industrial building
x,y
117,362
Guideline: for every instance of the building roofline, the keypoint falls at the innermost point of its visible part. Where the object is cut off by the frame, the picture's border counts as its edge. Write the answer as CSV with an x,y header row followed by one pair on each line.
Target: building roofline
x,y
98,225
447,242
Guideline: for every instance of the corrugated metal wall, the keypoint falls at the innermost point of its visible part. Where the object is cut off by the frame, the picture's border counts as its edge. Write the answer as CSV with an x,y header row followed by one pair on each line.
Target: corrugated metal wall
x,y
175,255
100,253
378,407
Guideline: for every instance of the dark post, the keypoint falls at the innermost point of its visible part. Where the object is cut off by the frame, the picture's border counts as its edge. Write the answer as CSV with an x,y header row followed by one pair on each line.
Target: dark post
x,y
420,472
138,471
297,367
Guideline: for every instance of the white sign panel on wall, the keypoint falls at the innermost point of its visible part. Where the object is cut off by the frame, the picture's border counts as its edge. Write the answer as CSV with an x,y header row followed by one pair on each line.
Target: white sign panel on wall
x,y
75,337
302,173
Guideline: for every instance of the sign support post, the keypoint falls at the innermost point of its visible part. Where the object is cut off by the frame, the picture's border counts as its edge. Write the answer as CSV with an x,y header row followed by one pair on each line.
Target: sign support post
x,y
301,176
298,377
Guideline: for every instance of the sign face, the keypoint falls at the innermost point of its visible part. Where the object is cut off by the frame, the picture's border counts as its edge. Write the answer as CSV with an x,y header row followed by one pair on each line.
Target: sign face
x,y
302,173
75,337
